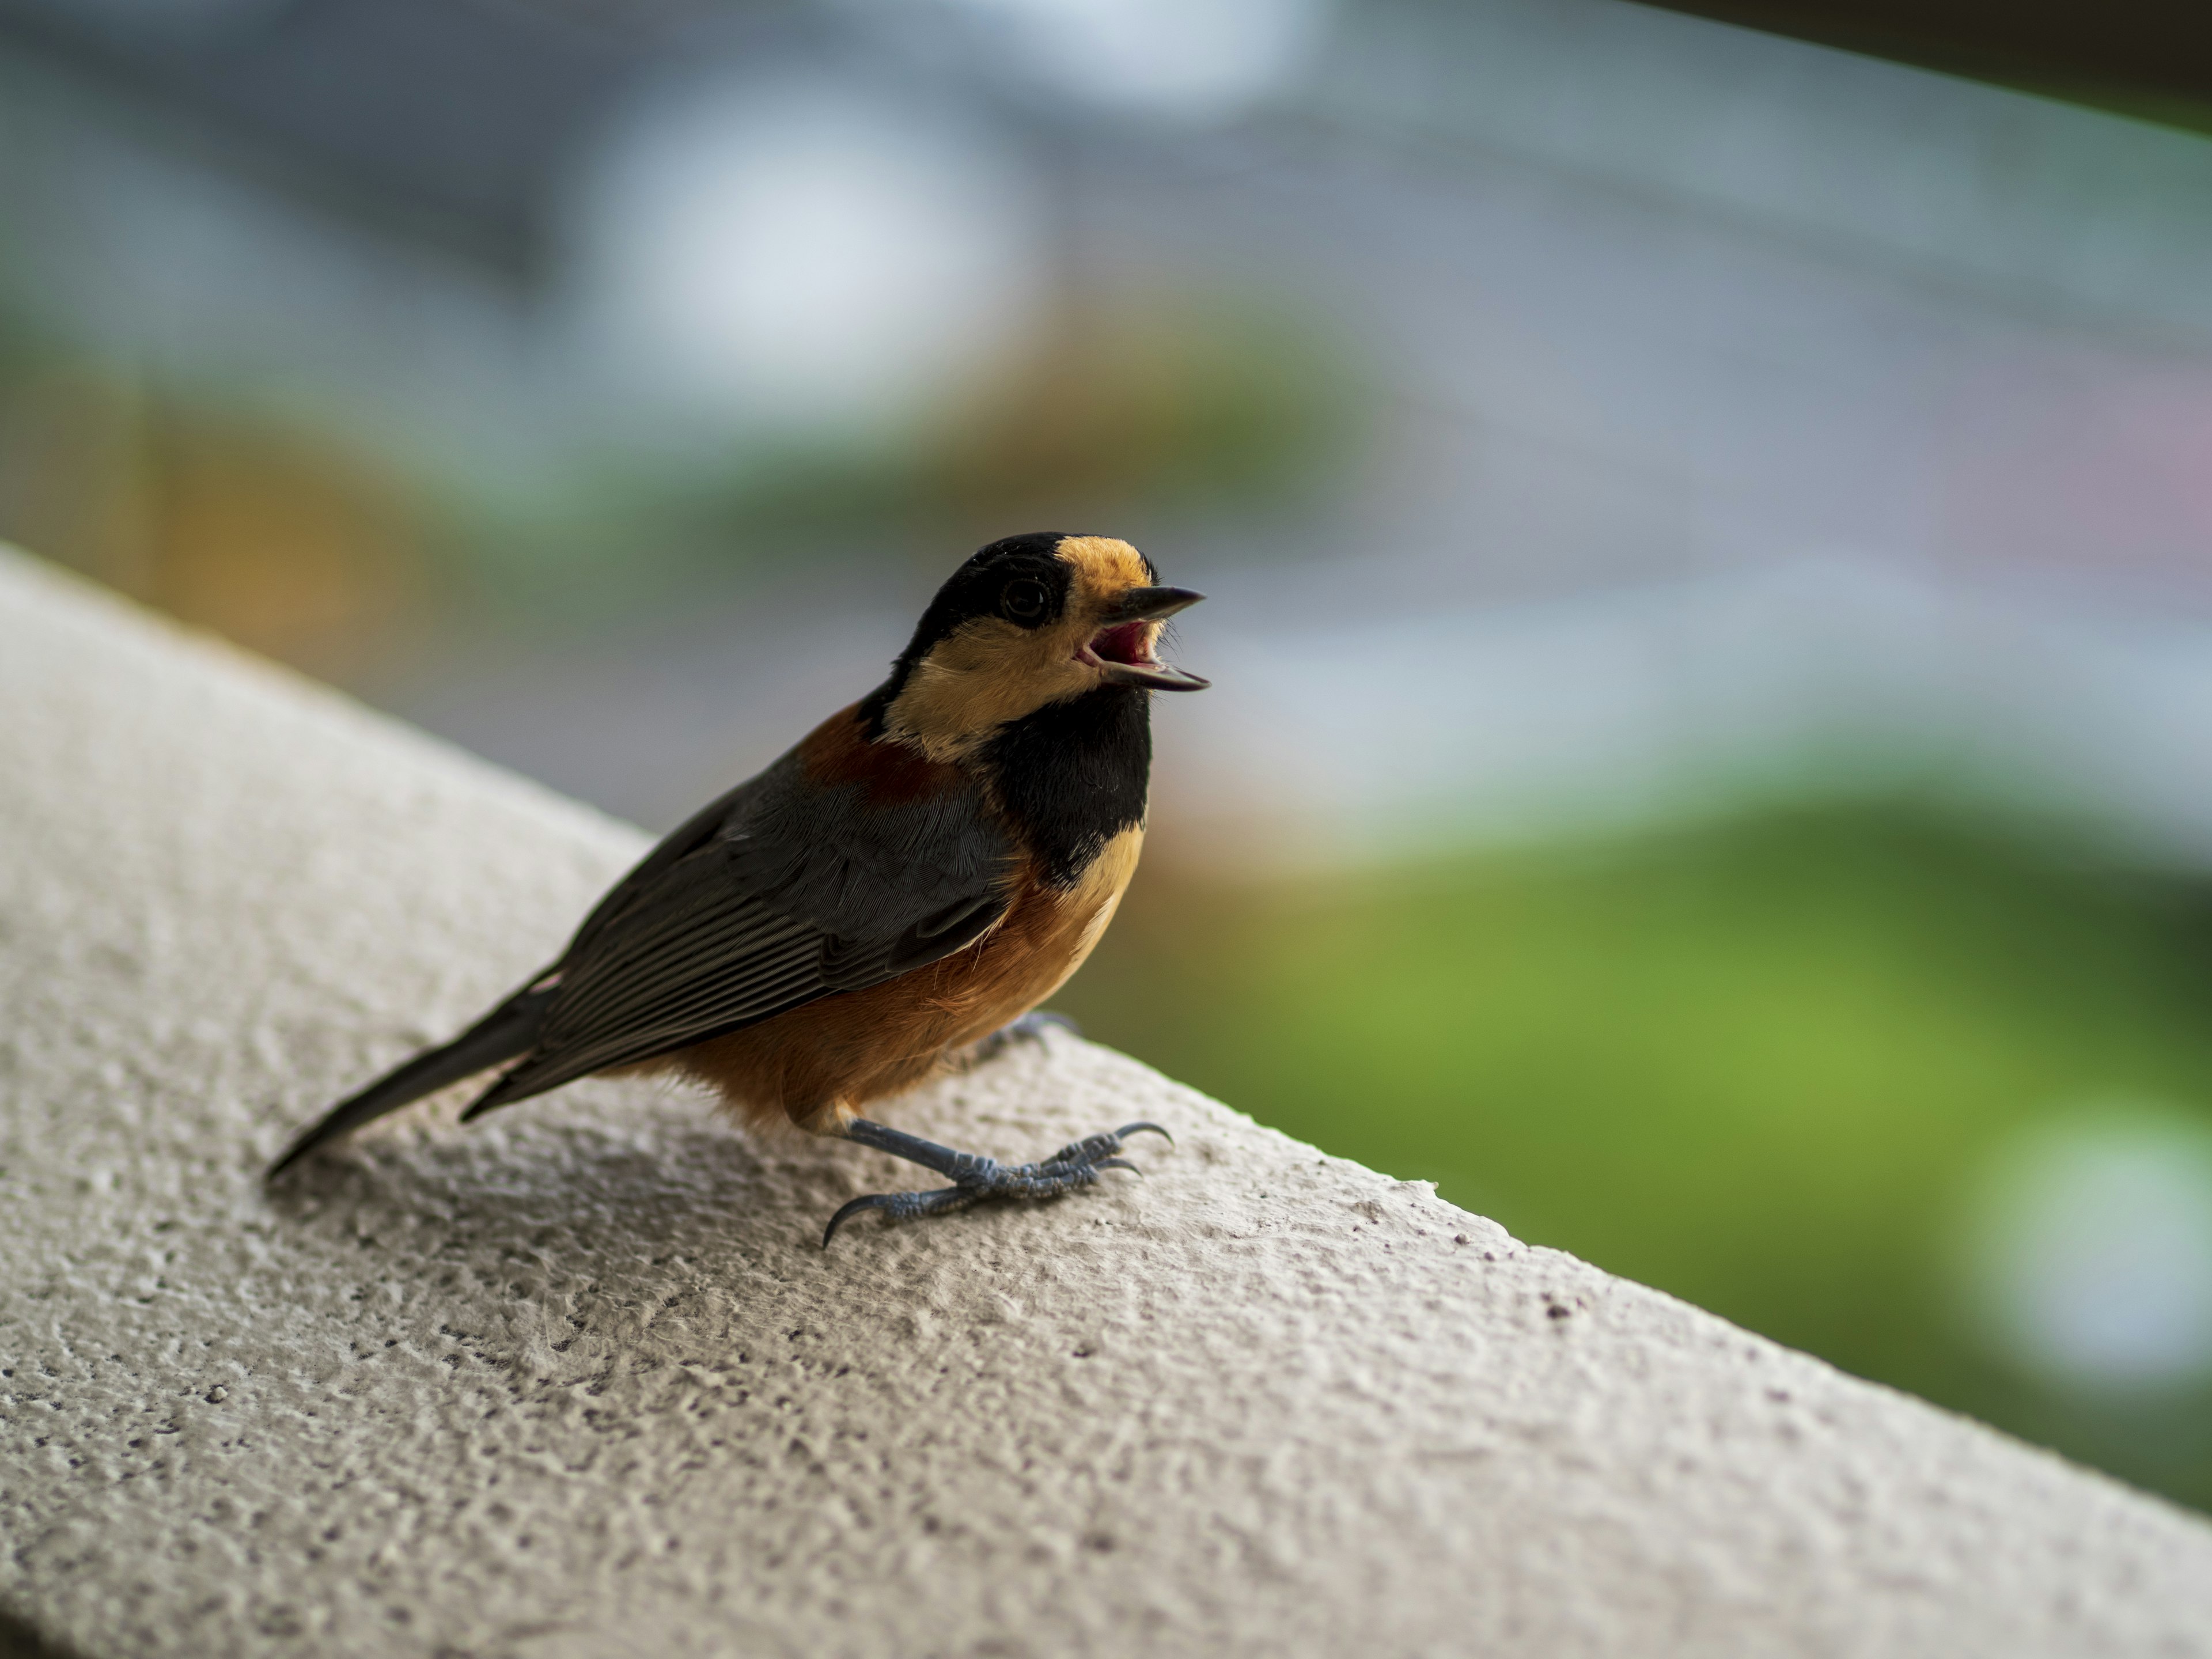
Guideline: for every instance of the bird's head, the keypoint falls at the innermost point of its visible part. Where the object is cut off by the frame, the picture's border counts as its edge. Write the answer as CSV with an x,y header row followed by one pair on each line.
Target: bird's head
x,y
1029,621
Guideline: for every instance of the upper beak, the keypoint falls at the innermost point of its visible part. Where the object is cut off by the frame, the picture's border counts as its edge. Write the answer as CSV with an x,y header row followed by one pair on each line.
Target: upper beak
x,y
1144,604
1152,603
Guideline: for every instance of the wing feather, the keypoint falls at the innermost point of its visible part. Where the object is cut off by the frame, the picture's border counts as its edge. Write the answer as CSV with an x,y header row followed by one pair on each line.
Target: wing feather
x,y
783,893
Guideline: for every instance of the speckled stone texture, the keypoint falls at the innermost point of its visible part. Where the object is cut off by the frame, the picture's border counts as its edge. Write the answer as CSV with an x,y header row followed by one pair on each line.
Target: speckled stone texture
x,y
580,1381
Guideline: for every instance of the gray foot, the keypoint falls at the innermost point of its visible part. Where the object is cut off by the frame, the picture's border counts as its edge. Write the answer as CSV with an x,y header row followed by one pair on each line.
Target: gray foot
x,y
1030,1028
974,1176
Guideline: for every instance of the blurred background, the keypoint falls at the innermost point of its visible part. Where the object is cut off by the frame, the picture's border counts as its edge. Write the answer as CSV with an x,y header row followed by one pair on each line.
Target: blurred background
x,y
1712,754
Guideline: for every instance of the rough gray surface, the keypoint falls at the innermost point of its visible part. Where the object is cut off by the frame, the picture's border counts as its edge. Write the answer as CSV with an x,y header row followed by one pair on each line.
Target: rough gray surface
x,y
580,1380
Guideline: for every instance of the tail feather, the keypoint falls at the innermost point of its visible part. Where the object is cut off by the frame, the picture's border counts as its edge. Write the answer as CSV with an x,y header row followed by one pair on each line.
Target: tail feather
x,y
508,1031
518,1084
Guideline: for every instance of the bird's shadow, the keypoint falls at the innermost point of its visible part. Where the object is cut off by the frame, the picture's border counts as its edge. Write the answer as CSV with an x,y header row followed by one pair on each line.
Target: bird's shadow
x,y
632,1193
574,1189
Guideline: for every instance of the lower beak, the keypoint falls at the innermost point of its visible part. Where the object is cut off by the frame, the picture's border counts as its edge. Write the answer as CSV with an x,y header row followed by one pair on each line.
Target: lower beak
x,y
1159,676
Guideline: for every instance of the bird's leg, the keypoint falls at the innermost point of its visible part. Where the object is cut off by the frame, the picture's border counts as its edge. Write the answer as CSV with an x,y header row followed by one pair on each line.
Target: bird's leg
x,y
1030,1028
974,1176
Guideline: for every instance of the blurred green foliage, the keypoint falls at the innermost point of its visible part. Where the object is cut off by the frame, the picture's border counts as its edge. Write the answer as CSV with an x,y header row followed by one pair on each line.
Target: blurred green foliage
x,y
1131,412
1137,410
1755,1063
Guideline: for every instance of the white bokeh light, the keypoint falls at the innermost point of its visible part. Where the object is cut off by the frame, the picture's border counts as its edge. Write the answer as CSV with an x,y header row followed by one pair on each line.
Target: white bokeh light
x,y
799,254
1195,58
2088,1250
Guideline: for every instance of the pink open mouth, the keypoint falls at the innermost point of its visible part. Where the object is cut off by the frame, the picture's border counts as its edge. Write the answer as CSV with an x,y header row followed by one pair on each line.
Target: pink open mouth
x,y
1128,643
1122,652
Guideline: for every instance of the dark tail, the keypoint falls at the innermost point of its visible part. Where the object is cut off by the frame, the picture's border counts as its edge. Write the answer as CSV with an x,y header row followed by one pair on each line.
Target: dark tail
x,y
508,1030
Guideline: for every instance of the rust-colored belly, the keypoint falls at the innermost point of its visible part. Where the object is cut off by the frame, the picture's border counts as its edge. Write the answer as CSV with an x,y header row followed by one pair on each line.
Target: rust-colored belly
x,y
819,1064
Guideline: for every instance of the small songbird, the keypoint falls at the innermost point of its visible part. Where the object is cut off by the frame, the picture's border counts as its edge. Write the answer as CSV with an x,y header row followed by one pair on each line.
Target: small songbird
x,y
887,899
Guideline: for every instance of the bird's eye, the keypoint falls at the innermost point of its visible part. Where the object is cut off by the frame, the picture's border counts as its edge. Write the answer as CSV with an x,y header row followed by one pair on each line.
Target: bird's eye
x,y
1025,600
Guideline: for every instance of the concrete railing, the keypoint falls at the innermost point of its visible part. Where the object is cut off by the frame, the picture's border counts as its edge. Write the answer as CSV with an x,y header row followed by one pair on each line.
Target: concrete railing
x,y
581,1381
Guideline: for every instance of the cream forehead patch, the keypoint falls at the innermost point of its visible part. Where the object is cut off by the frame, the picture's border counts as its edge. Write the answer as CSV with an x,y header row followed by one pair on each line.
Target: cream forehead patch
x,y
1105,565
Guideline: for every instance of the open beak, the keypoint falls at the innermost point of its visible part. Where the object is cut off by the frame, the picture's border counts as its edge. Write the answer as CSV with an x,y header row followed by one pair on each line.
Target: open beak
x,y
1123,648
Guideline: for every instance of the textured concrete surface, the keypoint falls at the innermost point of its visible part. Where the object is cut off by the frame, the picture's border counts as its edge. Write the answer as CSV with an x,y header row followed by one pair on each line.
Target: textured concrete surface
x,y
579,1381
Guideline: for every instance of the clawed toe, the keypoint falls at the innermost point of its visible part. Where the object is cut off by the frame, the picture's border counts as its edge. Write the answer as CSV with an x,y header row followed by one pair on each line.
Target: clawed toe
x,y
900,1207
974,1177
1091,1148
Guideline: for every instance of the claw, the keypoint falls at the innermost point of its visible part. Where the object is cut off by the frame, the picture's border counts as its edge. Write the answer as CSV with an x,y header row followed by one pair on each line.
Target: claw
x,y
901,1207
979,1178
873,1201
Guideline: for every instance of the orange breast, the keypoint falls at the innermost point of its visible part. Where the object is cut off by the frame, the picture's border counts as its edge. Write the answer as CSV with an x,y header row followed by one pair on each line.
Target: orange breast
x,y
822,1063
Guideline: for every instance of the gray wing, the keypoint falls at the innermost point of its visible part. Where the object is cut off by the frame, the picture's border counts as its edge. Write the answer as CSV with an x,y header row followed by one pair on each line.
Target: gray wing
x,y
780,893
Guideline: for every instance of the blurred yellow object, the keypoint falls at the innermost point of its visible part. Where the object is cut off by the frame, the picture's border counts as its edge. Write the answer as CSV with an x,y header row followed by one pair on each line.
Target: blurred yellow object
x,y
263,537
281,549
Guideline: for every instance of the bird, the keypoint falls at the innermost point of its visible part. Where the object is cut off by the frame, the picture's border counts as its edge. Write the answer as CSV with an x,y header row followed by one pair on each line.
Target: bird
x,y
892,897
